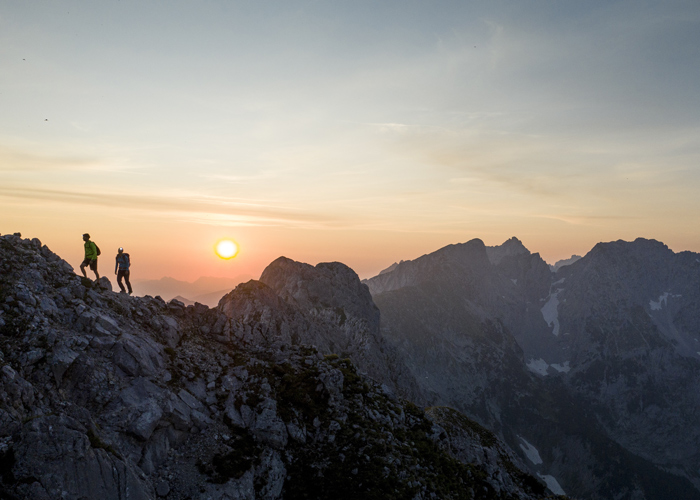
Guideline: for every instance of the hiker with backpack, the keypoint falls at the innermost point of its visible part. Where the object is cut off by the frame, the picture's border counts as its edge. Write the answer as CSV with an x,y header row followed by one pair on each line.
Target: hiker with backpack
x,y
121,269
91,253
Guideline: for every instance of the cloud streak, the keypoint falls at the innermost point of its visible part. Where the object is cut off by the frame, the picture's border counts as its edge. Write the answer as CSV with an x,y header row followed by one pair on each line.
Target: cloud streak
x,y
202,209
549,165
21,161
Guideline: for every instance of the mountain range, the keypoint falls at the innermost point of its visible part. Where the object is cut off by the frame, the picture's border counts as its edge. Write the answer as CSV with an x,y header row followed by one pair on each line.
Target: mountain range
x,y
109,396
205,290
470,372
593,371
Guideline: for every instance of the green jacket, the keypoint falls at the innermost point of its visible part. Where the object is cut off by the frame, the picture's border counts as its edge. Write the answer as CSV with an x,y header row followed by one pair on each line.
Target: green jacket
x,y
90,250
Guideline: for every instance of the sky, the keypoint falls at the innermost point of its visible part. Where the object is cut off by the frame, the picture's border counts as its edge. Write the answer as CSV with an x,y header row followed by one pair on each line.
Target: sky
x,y
364,132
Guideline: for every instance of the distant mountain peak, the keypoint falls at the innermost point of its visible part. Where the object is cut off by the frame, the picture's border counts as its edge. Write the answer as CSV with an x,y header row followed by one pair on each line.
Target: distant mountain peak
x,y
391,267
205,289
564,262
640,246
512,246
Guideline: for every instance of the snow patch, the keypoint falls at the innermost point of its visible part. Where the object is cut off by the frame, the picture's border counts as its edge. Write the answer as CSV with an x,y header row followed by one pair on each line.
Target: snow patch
x,y
550,313
538,366
515,282
552,484
663,299
530,451
564,367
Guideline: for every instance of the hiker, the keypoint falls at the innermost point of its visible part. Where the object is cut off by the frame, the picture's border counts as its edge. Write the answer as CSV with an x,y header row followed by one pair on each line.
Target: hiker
x,y
91,253
122,265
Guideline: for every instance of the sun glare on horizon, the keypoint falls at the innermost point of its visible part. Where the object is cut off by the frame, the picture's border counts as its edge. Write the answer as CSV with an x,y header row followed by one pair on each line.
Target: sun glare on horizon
x,y
226,249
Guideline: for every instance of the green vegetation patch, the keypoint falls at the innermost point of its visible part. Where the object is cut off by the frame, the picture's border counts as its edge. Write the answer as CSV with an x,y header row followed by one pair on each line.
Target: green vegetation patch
x,y
370,460
296,392
352,382
451,418
234,462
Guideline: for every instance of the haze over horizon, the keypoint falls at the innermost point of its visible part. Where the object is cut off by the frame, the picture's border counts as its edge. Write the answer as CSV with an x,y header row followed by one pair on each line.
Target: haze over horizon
x,y
363,133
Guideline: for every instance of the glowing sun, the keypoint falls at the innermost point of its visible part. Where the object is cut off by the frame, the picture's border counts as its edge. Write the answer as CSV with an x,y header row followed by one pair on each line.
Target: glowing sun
x,y
226,249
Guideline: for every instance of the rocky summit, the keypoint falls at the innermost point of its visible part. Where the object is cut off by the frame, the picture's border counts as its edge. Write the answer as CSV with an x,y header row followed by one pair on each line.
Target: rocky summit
x,y
590,372
106,396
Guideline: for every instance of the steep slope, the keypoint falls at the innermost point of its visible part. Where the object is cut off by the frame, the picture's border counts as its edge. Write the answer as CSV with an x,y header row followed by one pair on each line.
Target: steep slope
x,y
343,319
628,316
108,396
493,333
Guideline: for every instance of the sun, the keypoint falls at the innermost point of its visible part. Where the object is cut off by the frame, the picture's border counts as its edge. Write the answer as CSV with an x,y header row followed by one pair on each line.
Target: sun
x,y
226,249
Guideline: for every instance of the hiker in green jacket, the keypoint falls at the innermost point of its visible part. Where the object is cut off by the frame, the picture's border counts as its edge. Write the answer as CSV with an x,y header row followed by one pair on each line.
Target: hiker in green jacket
x,y
91,253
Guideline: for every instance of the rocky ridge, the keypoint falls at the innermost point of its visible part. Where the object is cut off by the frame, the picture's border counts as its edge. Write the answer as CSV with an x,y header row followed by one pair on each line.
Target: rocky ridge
x,y
591,373
108,396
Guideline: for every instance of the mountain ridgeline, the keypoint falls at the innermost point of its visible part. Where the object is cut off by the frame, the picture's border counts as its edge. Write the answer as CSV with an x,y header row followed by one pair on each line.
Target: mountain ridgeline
x,y
107,396
472,372
592,371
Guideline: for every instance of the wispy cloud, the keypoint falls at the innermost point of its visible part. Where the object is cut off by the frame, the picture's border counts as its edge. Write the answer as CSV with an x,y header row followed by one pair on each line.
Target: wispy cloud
x,y
590,220
21,161
195,208
548,165
239,179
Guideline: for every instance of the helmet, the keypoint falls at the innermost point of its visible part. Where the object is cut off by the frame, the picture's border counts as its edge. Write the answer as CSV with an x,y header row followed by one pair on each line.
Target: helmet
x,y
121,249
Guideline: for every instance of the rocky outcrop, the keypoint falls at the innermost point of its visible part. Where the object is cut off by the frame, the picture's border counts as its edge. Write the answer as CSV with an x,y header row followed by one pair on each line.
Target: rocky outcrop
x,y
103,395
466,259
590,374
341,318
510,248
628,317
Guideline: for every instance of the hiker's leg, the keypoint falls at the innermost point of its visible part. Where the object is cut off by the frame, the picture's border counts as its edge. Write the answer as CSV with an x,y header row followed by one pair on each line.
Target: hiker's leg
x,y
126,278
120,275
82,269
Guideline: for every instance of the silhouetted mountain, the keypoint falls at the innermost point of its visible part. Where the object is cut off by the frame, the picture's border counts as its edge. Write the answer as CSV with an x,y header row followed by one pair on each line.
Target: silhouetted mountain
x,y
206,290
564,262
108,396
591,371
185,301
510,248
590,374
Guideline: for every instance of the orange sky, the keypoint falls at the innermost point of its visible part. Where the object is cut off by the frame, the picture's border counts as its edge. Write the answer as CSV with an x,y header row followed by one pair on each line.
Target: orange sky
x,y
185,250
363,132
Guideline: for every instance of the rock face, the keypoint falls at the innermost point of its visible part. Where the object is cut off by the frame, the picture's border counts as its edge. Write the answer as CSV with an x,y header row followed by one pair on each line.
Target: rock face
x,y
103,395
342,318
629,320
591,373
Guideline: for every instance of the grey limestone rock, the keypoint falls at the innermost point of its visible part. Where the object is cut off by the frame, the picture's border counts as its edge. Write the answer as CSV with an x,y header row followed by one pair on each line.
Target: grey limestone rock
x,y
608,344
57,450
106,396
14,390
268,427
60,360
137,357
104,283
144,425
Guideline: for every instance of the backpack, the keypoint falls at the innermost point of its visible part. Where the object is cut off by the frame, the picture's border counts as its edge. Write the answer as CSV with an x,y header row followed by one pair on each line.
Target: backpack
x,y
97,249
